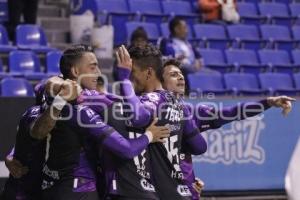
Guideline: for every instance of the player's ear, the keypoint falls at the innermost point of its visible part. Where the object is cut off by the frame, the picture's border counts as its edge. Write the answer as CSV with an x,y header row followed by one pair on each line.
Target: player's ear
x,y
74,72
149,73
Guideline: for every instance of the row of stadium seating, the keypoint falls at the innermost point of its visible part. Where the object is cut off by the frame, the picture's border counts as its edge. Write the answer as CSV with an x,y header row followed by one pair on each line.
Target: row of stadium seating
x,y
118,12
222,37
28,37
228,84
27,64
250,61
245,84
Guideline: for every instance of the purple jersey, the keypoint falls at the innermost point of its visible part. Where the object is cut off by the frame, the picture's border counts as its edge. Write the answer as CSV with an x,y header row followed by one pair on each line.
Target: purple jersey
x,y
30,153
164,158
122,176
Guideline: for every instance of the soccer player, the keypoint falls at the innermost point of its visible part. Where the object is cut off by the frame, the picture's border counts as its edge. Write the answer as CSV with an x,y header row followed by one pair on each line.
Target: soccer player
x,y
73,144
144,64
26,159
173,80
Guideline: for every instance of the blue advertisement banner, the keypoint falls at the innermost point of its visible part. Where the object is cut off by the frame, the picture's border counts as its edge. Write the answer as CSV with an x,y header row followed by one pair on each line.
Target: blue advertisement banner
x,y
249,154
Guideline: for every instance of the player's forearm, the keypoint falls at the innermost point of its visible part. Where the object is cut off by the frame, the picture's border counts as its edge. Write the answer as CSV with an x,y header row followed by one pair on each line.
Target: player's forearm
x,y
126,148
44,123
196,143
241,111
139,115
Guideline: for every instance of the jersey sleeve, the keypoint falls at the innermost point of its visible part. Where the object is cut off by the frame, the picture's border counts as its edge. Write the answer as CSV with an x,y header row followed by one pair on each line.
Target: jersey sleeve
x,y
140,116
93,125
211,118
192,136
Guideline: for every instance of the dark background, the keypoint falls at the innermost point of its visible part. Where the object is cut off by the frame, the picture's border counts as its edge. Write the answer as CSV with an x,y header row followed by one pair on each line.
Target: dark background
x,y
11,110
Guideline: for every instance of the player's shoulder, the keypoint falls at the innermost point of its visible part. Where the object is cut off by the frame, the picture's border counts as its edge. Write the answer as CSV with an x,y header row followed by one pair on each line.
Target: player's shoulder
x,y
157,96
32,111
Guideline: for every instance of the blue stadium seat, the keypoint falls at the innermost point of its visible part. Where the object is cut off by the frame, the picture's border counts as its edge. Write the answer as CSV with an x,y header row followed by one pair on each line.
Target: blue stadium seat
x,y
53,59
32,37
284,1
278,61
295,9
249,13
296,56
297,80
277,13
212,36
151,29
207,83
3,74
296,33
243,84
25,63
245,36
245,60
5,47
279,37
16,87
116,12
214,59
181,9
3,11
278,84
149,10
165,31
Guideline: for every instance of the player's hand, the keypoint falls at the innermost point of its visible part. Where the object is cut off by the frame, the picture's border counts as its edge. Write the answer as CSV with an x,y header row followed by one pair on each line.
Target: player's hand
x,y
69,90
283,102
158,132
198,185
123,58
15,168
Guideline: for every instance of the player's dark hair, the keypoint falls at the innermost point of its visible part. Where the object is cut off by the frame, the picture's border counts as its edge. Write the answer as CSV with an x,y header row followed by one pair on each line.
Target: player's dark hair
x,y
173,24
71,56
139,33
173,62
147,56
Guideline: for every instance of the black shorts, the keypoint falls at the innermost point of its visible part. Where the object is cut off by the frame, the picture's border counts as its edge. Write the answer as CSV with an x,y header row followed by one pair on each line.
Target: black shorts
x,y
64,191
14,191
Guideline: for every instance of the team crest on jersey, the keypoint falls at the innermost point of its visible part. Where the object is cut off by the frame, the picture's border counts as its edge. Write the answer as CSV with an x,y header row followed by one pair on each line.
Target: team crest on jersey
x,y
184,190
147,186
154,97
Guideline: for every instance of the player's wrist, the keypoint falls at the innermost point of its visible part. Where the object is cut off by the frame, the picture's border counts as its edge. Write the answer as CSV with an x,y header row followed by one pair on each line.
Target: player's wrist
x,y
149,135
59,102
270,101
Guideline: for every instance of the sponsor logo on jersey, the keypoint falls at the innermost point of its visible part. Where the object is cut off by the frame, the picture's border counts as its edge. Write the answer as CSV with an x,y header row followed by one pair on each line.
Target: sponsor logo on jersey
x,y
184,190
147,186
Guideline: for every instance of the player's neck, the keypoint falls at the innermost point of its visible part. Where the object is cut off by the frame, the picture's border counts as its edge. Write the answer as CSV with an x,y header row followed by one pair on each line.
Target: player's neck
x,y
153,86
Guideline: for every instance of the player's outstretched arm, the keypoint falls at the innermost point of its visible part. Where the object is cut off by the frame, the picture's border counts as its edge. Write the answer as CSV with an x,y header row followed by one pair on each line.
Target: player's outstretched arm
x,y
212,118
68,91
140,116
106,136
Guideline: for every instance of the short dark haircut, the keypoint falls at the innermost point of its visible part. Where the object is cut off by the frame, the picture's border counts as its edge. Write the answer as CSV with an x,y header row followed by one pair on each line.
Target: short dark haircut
x,y
147,56
71,56
173,24
139,33
173,62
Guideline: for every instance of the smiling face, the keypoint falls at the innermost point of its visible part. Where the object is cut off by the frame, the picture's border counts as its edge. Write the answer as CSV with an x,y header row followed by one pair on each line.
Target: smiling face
x,y
86,71
173,79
